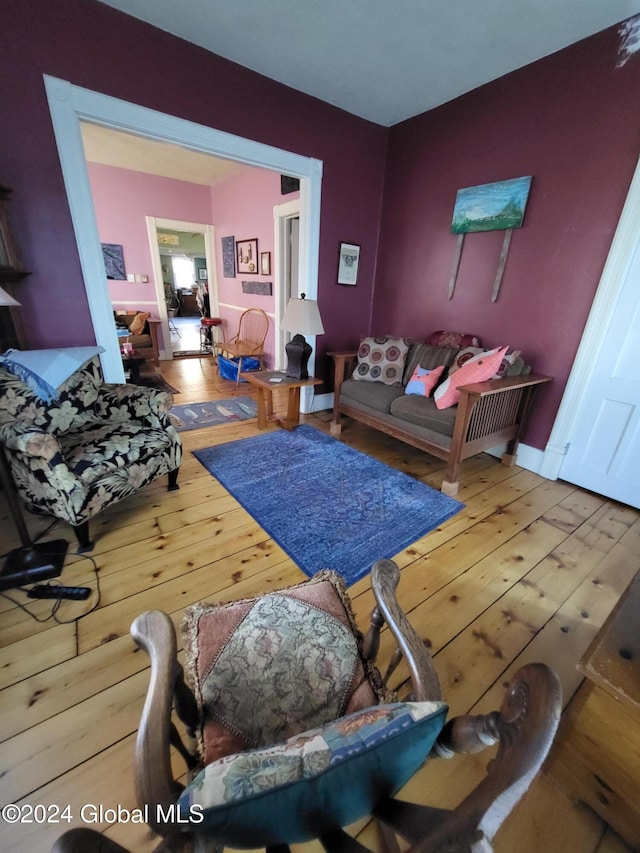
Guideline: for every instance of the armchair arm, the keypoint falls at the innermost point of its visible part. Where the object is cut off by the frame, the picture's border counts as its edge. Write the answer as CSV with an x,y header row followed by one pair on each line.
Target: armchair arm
x,y
25,438
134,402
525,728
154,783
385,575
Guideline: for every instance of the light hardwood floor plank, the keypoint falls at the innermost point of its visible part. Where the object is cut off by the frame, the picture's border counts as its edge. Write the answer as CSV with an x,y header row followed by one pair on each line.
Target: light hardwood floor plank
x,y
528,570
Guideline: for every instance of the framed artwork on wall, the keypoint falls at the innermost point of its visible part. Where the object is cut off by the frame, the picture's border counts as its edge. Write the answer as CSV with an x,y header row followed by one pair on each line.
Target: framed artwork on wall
x,y
247,255
229,257
265,263
202,273
348,261
113,256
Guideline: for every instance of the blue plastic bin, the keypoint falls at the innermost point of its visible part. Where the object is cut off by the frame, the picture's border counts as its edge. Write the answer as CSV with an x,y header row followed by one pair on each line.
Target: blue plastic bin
x,y
229,366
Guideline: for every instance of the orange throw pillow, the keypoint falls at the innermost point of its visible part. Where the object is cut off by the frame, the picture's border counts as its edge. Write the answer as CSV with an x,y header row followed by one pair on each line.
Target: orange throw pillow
x,y
137,324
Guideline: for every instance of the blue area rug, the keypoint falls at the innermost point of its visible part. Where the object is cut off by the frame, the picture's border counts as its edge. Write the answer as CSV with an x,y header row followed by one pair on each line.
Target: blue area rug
x,y
213,413
327,505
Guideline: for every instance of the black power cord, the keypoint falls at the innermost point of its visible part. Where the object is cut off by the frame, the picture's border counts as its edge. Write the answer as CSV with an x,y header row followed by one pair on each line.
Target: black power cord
x,y
49,591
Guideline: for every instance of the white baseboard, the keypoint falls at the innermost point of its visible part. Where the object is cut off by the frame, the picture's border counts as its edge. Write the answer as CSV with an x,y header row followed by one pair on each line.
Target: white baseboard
x,y
527,457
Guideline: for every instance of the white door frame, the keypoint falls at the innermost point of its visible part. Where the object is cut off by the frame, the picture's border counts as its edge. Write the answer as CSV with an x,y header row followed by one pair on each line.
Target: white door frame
x,y
281,213
153,224
613,277
69,104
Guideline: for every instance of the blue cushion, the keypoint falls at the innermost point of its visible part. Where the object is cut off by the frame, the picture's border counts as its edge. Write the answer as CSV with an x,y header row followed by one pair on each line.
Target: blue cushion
x,y
323,778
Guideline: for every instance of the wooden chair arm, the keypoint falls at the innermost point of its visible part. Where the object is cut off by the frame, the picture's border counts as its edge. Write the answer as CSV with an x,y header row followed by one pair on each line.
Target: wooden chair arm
x,y
525,728
154,783
385,575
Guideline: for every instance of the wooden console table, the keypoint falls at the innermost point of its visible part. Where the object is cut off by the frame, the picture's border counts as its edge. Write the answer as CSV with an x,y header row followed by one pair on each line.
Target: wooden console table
x,y
596,757
268,381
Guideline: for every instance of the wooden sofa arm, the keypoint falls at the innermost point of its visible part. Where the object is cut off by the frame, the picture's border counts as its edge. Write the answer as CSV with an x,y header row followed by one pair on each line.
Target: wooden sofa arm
x,y
344,363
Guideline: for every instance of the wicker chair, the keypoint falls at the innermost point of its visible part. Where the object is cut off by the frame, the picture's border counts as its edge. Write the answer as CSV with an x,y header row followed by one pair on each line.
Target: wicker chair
x,y
249,340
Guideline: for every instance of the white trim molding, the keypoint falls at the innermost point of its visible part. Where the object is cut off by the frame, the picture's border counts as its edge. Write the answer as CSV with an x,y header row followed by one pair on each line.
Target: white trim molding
x,y
71,104
611,282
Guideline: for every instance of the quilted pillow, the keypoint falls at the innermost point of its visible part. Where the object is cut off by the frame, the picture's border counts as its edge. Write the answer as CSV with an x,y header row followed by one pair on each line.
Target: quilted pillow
x,y
264,669
382,359
423,381
477,369
138,323
329,776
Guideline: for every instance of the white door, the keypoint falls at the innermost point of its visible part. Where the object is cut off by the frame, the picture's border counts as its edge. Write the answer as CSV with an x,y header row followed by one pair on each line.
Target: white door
x,y
603,454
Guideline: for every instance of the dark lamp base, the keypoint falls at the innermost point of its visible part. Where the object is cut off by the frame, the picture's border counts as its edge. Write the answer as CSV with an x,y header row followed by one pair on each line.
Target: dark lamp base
x,y
33,564
298,352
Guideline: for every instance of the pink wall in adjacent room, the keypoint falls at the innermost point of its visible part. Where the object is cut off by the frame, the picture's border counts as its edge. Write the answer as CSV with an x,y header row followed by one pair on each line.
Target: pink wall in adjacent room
x,y
243,208
572,122
122,200
68,39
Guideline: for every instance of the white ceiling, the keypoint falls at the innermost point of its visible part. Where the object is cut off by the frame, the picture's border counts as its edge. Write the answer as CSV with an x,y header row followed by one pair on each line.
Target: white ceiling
x,y
115,148
383,60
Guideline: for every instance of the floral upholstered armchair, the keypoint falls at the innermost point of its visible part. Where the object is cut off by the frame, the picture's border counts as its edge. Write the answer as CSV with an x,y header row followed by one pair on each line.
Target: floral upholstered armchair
x,y
88,447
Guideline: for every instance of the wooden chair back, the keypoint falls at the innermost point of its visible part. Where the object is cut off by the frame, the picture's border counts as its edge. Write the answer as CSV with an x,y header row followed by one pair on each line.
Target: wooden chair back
x,y
252,331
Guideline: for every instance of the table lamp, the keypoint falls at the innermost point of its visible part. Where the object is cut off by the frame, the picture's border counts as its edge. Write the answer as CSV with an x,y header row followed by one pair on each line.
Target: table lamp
x,y
303,317
33,561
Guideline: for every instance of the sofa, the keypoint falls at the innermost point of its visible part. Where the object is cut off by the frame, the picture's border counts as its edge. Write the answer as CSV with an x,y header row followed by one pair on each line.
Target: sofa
x,y
143,338
410,391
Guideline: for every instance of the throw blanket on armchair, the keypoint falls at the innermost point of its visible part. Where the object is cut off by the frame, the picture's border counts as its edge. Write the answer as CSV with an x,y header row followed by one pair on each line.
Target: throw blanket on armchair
x,y
45,370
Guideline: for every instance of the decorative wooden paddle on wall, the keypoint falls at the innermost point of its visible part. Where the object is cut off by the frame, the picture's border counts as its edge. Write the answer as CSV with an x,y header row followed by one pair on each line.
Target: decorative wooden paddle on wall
x,y
489,207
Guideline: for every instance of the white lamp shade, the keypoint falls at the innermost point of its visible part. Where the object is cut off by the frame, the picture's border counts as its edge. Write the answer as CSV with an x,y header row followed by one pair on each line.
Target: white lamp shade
x,y
302,316
6,300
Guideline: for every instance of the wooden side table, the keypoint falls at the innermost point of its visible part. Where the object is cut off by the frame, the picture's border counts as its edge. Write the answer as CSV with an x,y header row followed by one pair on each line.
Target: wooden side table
x,y
596,757
268,381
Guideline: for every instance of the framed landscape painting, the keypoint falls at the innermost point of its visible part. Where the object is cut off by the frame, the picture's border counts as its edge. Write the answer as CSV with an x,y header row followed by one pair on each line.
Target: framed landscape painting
x,y
491,207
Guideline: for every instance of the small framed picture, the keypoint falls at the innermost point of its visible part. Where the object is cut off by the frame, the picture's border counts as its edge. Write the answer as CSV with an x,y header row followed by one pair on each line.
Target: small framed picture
x,y
247,255
202,273
265,263
348,260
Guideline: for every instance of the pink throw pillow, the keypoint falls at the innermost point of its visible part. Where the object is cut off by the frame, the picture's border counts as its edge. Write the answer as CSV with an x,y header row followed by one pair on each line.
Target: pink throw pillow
x,y
477,369
423,381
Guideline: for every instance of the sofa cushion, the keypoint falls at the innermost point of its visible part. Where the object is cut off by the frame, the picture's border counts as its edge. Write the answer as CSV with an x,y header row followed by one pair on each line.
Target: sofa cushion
x,y
427,356
422,411
478,369
373,395
423,381
381,359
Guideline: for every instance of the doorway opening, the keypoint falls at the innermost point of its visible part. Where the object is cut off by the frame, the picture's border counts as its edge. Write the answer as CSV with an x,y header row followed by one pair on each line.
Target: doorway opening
x,y
70,104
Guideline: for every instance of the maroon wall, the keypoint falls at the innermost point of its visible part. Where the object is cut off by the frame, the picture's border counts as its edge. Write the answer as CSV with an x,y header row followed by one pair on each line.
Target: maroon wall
x,y
97,47
572,122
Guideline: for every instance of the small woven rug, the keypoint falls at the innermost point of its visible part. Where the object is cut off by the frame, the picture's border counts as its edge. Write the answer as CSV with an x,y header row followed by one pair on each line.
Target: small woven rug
x,y
326,504
213,413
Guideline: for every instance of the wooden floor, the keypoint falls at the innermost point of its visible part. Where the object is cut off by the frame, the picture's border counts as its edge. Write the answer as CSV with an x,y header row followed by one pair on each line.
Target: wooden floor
x,y
527,571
